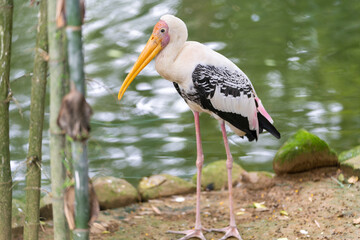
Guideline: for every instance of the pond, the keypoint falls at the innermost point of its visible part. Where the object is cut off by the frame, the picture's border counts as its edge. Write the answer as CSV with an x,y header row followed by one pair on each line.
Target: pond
x,y
302,57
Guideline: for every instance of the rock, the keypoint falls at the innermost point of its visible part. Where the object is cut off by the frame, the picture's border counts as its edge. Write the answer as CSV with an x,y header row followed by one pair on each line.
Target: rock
x,y
18,213
302,152
257,180
46,207
69,205
214,175
351,166
163,185
114,192
18,219
349,154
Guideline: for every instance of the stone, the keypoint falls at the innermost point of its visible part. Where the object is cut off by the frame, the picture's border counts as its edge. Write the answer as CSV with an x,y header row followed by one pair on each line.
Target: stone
x,y
345,155
163,185
18,219
69,205
302,152
114,192
214,175
18,213
46,207
257,180
351,166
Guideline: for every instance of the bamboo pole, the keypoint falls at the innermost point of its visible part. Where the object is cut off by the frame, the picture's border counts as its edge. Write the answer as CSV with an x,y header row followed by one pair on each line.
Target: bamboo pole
x,y
6,10
82,115
82,202
58,75
33,162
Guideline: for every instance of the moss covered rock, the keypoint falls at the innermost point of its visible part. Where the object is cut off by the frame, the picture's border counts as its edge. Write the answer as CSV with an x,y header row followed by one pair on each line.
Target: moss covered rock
x,y
352,166
163,185
349,154
214,175
302,152
114,192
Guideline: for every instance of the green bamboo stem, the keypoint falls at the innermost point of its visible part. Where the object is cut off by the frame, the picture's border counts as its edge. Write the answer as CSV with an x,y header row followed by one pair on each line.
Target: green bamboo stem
x,y
79,148
57,69
73,32
82,203
38,91
6,11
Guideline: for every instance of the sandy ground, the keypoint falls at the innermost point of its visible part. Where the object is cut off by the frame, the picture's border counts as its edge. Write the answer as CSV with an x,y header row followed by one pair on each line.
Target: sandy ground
x,y
309,205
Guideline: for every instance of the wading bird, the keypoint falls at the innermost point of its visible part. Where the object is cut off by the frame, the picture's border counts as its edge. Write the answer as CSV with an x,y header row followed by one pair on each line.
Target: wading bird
x,y
208,82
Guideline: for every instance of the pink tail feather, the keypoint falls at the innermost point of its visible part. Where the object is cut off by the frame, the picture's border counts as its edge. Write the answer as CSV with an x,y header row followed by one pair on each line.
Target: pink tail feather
x,y
262,110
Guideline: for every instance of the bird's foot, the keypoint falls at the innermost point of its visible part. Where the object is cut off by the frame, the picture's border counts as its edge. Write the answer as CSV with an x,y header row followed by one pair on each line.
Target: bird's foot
x,y
229,232
193,233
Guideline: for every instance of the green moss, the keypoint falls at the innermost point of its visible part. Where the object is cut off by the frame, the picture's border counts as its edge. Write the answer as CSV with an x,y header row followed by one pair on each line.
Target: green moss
x,y
303,151
215,174
302,142
349,154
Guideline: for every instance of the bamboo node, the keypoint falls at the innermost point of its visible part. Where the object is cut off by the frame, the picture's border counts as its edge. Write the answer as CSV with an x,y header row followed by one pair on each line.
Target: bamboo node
x,y
74,115
9,97
74,28
33,160
44,54
33,188
81,230
5,183
60,133
6,6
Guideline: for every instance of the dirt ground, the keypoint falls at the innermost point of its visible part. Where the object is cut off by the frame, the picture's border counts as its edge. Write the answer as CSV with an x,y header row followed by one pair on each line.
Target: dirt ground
x,y
309,205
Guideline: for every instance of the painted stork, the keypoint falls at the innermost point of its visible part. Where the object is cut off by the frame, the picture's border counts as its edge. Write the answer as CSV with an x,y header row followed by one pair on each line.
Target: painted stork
x,y
208,82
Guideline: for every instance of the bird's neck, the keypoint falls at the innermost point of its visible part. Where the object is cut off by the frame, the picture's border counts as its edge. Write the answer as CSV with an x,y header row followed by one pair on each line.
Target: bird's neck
x,y
164,62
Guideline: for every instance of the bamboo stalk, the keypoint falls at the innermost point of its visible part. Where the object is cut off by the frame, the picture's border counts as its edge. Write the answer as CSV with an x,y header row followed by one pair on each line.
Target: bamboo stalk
x,y
75,54
6,11
33,162
79,146
82,202
57,69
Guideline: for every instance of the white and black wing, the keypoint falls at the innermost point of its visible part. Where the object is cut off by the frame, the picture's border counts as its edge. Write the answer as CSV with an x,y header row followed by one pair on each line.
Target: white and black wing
x,y
229,95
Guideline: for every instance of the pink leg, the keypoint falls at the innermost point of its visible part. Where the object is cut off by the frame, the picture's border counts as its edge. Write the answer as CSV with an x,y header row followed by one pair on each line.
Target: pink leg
x,y
197,232
230,231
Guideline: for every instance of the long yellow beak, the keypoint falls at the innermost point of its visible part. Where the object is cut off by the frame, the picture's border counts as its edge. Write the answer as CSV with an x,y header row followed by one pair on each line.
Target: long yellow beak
x,y
152,48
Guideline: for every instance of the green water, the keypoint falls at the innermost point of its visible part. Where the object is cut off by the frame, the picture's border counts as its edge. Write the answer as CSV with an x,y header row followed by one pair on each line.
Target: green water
x,y
302,57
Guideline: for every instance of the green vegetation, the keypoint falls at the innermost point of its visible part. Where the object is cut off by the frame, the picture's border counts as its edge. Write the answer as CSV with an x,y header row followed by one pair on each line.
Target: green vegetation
x,y
303,151
345,155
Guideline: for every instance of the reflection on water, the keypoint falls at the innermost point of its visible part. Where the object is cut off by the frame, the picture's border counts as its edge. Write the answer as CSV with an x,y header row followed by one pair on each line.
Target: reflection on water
x,y
302,57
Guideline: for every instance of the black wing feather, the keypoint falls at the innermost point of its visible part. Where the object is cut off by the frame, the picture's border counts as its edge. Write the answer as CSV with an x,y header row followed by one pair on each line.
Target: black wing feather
x,y
265,124
206,79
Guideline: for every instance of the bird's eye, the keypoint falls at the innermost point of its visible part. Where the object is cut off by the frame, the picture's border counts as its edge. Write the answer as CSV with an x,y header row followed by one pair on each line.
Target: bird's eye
x,y
162,30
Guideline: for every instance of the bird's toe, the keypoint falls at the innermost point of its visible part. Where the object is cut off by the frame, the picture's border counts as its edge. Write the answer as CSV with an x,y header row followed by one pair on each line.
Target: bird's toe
x,y
229,232
194,233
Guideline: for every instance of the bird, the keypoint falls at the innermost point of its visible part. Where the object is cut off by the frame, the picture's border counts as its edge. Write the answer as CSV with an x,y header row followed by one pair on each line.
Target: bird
x,y
209,83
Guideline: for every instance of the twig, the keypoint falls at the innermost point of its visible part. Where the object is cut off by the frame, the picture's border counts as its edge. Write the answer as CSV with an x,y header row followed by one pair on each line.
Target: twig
x,y
338,182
